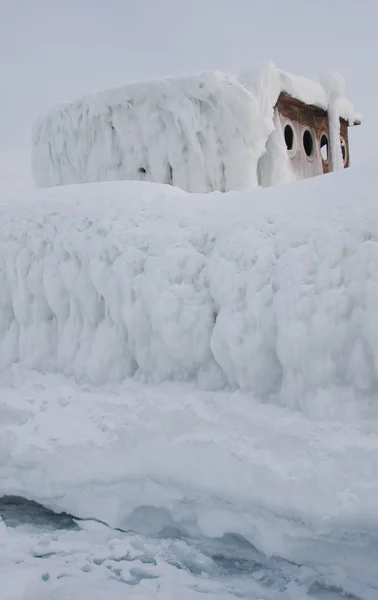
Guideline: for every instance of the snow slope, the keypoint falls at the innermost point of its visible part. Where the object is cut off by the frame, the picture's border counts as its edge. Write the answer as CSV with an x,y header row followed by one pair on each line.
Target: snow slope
x,y
273,291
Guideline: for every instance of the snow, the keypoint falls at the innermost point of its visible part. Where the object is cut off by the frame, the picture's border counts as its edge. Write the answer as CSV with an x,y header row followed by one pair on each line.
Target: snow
x,y
200,133
193,378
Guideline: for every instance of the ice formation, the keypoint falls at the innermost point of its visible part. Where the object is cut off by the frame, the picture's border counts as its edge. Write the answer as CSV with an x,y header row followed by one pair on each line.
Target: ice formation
x,y
271,291
201,133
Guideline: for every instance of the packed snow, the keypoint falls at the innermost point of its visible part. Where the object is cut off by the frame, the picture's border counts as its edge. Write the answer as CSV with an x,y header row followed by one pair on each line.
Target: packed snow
x,y
200,133
191,380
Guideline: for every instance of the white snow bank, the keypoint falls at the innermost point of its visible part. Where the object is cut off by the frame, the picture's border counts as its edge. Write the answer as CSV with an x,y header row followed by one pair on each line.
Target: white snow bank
x,y
157,459
200,133
273,291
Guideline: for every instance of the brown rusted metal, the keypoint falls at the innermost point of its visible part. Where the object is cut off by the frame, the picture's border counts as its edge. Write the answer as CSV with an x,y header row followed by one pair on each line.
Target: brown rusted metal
x,y
301,117
295,110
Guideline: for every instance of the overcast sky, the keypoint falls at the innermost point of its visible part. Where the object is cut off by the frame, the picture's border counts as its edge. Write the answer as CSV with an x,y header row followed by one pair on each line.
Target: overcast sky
x,y
55,50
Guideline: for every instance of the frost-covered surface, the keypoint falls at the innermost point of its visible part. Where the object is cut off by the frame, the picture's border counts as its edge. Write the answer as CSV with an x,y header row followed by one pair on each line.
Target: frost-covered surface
x,y
272,291
201,133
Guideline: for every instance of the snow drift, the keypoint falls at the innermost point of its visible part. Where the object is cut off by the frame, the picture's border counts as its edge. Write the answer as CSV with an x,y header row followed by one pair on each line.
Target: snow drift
x,y
200,133
273,291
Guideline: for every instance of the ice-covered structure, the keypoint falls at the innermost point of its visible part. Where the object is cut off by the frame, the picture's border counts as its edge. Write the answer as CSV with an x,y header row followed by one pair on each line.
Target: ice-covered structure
x,y
211,131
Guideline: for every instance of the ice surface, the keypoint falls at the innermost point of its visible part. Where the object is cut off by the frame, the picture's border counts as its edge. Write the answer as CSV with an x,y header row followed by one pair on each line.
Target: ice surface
x,y
40,563
201,133
43,563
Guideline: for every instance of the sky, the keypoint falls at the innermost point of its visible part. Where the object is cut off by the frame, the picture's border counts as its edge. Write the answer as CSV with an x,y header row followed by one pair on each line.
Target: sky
x,y
53,51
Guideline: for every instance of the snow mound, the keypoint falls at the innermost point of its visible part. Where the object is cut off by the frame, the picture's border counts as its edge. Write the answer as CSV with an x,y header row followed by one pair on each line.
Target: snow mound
x,y
272,291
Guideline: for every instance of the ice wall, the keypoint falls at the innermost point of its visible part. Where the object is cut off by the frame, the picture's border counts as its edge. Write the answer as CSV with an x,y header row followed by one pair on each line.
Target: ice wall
x,y
273,291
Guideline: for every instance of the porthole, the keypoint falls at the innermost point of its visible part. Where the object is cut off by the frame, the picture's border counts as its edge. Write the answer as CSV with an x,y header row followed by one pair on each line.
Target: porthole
x,y
324,148
142,170
343,150
289,137
308,143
